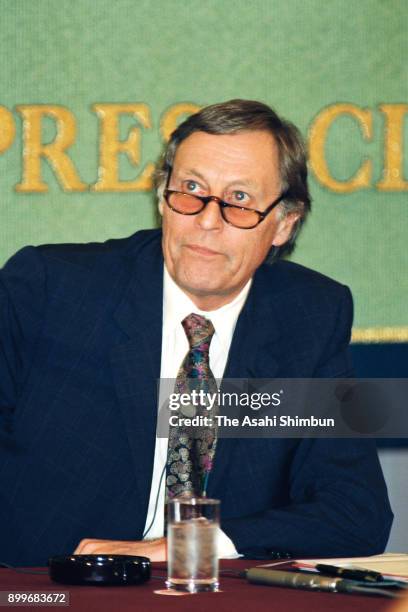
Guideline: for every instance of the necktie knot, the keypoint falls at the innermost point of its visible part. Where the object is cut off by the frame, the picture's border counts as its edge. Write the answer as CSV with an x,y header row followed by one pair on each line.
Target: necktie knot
x,y
199,331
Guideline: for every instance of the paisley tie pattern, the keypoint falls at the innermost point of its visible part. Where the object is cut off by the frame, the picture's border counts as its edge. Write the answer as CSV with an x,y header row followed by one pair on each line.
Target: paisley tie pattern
x,y
191,450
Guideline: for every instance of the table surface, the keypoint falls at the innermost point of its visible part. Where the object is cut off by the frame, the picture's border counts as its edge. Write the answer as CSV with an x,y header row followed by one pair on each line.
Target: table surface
x,y
236,594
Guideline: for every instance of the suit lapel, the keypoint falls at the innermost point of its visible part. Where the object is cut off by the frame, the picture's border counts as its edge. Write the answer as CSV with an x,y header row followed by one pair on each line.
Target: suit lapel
x,y
136,361
253,354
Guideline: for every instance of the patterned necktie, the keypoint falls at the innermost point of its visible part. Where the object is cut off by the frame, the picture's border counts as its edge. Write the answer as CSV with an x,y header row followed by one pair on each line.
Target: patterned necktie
x,y
191,450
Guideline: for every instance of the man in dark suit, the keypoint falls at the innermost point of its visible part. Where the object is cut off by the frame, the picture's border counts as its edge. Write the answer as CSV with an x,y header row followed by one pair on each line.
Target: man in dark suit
x,y
84,338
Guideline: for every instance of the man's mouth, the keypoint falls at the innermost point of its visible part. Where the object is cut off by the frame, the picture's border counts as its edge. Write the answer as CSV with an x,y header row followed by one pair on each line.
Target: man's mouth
x,y
202,250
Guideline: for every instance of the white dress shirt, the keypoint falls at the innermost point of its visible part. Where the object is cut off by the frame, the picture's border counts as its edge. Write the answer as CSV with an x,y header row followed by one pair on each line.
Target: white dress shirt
x,y
176,306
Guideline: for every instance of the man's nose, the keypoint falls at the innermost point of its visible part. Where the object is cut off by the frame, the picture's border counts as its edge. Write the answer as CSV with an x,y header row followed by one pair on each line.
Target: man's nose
x,y
210,217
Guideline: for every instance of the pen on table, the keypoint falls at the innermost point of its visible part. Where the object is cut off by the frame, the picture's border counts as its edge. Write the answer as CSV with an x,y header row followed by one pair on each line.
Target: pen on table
x,y
350,573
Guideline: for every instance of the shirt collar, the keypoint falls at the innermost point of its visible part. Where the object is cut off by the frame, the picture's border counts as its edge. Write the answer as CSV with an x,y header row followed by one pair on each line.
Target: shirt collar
x,y
177,305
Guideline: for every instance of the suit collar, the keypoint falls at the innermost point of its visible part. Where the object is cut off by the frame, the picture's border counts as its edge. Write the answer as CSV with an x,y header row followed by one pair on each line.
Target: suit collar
x,y
255,339
140,310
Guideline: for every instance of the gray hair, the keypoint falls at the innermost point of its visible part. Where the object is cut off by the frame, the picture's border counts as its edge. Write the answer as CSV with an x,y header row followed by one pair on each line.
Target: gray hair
x,y
249,115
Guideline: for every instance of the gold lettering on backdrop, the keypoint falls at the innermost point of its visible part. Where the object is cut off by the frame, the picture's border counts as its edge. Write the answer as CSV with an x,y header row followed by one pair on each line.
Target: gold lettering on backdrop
x,y
317,140
168,122
53,152
393,177
110,147
7,129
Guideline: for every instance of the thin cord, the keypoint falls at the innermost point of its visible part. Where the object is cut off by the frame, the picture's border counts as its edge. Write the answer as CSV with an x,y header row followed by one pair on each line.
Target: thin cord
x,y
156,503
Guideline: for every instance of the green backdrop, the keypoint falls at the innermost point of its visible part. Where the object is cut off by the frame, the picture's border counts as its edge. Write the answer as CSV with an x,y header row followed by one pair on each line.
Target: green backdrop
x,y
302,57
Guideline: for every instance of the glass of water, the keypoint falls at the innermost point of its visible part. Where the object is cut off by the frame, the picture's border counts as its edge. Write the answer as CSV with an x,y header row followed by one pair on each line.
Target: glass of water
x,y
192,532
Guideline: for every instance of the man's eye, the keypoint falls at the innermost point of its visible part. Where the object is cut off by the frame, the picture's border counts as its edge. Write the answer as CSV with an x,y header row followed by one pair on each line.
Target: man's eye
x,y
191,186
240,197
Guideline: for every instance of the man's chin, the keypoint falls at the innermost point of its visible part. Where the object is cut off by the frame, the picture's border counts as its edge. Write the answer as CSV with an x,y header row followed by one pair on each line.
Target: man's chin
x,y
207,296
202,289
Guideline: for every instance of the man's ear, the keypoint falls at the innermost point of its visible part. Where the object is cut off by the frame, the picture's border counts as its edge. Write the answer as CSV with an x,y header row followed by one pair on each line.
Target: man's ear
x,y
160,205
285,228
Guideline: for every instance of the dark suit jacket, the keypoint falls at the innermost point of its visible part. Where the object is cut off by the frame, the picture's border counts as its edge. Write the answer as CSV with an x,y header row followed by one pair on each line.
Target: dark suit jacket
x,y
80,343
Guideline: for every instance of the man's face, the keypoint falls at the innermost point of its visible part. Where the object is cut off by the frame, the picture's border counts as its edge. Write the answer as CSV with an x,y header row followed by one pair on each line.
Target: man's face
x,y
210,260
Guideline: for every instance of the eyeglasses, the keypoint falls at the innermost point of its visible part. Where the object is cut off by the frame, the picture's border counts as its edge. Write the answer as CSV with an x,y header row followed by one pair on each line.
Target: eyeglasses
x,y
238,216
